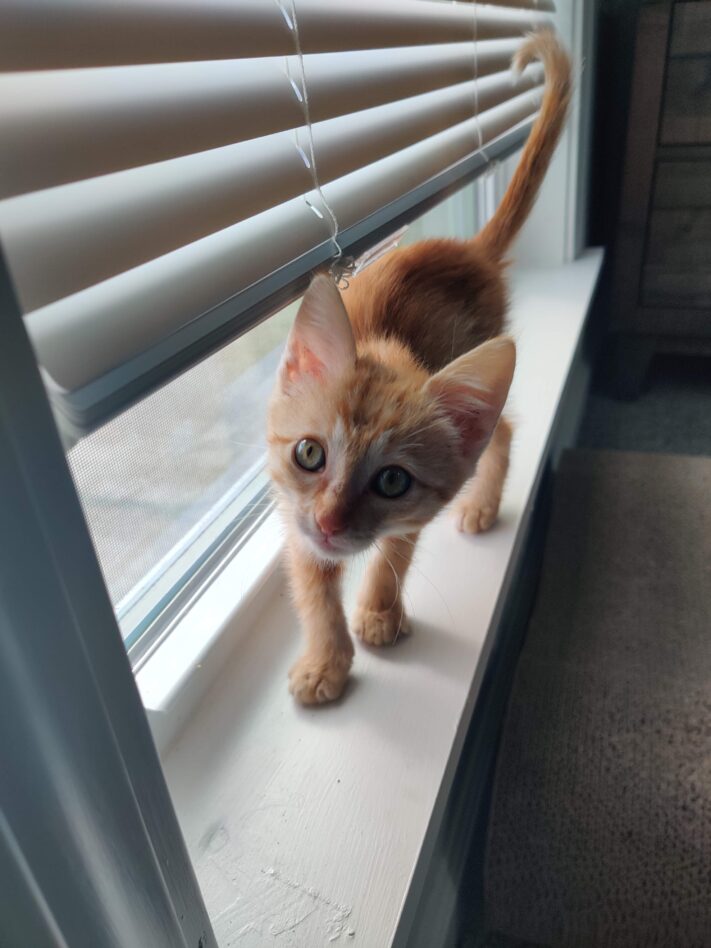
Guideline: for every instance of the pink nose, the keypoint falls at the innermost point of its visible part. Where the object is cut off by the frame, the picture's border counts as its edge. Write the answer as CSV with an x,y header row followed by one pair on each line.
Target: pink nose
x,y
330,522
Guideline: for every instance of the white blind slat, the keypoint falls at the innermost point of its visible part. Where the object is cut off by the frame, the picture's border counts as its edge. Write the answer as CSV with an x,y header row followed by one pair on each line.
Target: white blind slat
x,y
81,123
546,6
78,124
62,240
43,34
115,320
362,193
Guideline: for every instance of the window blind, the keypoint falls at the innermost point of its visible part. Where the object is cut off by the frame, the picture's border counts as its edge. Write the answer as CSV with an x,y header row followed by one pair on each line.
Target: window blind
x,y
173,170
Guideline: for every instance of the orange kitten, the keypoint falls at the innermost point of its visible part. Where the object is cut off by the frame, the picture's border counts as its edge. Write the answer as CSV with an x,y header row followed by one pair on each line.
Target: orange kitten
x,y
373,428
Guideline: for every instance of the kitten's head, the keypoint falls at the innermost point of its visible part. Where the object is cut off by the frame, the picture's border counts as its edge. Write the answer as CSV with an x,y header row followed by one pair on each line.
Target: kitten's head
x,y
362,446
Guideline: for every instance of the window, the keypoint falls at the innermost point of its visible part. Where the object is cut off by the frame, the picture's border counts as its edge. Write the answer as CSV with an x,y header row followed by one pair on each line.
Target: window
x,y
174,482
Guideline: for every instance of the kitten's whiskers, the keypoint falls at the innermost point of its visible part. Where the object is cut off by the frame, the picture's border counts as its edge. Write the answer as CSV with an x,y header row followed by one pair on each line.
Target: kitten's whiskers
x,y
397,590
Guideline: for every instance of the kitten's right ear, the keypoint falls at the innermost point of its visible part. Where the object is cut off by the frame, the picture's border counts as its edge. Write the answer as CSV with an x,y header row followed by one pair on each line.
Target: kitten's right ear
x,y
321,344
472,391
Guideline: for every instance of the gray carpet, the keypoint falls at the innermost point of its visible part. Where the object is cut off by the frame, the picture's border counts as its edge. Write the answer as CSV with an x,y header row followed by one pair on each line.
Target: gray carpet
x,y
496,940
600,831
673,414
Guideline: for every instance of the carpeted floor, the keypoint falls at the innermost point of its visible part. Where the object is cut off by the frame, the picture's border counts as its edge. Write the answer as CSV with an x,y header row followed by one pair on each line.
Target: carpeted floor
x,y
496,940
672,415
600,831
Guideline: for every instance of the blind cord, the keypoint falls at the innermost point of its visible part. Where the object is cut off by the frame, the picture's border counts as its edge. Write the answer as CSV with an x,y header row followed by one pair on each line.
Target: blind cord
x,y
342,267
475,23
490,166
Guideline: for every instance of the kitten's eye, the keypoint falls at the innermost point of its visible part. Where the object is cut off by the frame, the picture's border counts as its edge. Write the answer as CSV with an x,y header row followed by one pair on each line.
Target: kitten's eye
x,y
309,454
392,482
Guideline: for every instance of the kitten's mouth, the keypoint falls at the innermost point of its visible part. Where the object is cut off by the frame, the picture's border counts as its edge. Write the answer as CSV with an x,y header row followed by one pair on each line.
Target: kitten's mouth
x,y
332,547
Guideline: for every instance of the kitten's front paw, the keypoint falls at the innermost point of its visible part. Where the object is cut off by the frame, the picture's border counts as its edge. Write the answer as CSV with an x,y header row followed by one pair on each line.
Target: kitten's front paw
x,y
476,514
317,680
381,627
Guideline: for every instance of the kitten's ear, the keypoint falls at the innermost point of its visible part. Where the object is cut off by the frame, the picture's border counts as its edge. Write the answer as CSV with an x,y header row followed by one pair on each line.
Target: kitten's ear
x,y
321,343
472,390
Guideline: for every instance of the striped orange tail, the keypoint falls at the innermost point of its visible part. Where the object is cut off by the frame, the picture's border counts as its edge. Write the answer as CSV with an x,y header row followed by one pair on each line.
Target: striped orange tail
x,y
516,205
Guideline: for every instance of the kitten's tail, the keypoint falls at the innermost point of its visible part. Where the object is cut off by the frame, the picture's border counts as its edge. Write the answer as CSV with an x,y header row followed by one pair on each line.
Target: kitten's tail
x,y
516,205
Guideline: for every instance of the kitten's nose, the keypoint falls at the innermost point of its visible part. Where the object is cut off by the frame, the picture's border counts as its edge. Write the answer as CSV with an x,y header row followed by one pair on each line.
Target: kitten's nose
x,y
330,522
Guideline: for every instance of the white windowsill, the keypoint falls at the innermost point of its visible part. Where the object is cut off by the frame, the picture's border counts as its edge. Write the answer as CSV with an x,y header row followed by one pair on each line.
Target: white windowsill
x,y
182,669
305,825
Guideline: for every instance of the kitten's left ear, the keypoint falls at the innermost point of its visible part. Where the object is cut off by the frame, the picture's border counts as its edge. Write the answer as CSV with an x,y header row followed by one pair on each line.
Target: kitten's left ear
x,y
472,390
321,343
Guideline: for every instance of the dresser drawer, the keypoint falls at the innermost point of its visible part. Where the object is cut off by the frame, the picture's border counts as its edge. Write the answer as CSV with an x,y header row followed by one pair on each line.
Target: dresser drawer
x,y
686,112
677,262
683,183
691,29
686,118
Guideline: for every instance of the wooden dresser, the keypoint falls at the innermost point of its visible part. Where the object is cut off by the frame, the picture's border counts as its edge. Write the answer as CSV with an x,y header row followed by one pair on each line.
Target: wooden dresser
x,y
661,294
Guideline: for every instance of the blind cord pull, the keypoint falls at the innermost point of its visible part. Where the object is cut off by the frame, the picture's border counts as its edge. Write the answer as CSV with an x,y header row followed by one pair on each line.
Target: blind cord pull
x,y
342,267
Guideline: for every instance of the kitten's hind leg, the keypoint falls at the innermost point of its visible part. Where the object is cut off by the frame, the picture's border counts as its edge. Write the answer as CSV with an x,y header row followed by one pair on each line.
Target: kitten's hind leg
x,y
321,673
477,508
380,615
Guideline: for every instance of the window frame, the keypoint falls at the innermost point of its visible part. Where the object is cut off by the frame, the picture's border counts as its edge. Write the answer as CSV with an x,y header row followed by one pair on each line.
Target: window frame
x,y
84,771
149,612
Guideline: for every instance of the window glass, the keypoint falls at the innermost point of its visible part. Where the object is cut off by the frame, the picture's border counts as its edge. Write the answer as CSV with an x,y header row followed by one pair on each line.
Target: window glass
x,y
155,479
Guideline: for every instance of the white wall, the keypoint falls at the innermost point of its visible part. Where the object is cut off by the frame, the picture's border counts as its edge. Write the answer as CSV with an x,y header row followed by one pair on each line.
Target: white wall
x,y
457,216
555,232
